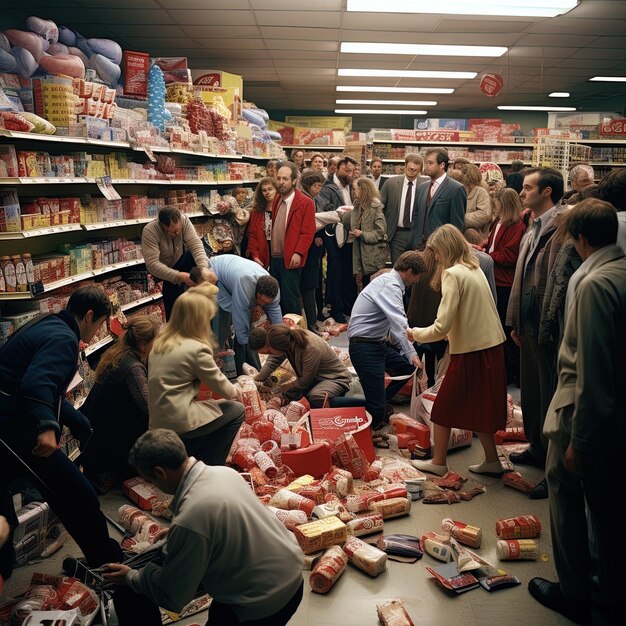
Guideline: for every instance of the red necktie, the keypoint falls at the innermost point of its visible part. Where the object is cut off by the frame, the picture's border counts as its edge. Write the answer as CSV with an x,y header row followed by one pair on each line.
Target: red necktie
x,y
430,192
406,216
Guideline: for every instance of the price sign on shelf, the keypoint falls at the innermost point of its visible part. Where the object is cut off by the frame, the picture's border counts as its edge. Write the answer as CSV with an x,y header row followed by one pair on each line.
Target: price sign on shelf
x,y
105,186
614,127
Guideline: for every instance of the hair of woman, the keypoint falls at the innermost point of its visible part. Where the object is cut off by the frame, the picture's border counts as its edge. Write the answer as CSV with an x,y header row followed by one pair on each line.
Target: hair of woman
x,y
258,200
368,191
510,206
451,248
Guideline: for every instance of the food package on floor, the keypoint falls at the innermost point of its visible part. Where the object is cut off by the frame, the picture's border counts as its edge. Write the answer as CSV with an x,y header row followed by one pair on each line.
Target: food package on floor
x,y
366,557
407,546
328,569
321,534
464,533
520,527
293,319
266,464
52,618
251,400
338,481
350,455
393,613
290,519
510,434
142,493
300,482
373,471
288,500
366,525
395,507
517,481
403,424
28,538
397,470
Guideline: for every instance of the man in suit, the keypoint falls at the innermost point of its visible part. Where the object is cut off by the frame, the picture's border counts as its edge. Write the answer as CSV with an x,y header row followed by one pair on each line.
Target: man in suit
x,y
398,195
376,171
442,201
541,193
583,418
340,283
293,228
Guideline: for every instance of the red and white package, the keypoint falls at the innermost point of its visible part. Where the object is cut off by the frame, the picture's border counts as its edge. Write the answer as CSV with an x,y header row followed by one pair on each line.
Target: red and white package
x,y
338,481
288,500
517,481
366,525
273,451
290,519
374,470
350,455
265,463
75,595
395,507
366,557
328,569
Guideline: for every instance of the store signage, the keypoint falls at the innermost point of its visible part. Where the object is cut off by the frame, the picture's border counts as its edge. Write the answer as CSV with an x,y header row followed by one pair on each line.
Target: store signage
x,y
436,135
491,84
614,127
213,79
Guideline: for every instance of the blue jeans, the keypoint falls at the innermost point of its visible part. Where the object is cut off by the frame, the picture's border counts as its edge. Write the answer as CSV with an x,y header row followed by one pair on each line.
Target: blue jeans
x,y
371,361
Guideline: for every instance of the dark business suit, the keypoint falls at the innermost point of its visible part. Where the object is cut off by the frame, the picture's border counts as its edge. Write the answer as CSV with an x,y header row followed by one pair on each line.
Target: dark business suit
x,y
447,206
391,196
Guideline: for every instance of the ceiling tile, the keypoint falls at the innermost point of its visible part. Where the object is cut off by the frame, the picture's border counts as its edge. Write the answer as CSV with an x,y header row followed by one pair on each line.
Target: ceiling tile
x,y
111,4
304,56
228,43
392,21
271,32
315,19
574,26
270,5
217,32
493,25
214,18
554,40
202,4
155,30
128,16
298,44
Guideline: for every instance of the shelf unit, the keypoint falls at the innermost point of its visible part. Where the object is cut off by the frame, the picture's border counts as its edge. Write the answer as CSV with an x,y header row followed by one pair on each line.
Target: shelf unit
x,y
46,239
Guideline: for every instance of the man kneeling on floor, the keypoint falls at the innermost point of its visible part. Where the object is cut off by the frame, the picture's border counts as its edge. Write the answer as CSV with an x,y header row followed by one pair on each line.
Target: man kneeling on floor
x,y
221,537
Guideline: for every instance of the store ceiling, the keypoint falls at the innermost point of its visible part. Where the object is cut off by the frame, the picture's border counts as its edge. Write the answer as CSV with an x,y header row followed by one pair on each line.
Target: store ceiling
x,y
288,50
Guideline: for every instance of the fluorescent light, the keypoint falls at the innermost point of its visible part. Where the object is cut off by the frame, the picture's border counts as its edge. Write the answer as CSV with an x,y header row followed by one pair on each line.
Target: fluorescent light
x,y
523,8
405,74
381,111
609,79
422,49
559,94
525,108
419,103
358,89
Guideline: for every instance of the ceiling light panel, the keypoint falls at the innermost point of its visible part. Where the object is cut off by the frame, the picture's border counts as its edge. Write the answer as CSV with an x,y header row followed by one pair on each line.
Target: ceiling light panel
x,y
533,108
559,94
421,49
405,73
511,8
372,89
414,103
379,112
609,79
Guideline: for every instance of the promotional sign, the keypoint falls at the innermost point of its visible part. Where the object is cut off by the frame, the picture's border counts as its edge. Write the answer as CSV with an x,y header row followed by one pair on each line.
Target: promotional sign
x,y
491,84
614,127
209,82
314,121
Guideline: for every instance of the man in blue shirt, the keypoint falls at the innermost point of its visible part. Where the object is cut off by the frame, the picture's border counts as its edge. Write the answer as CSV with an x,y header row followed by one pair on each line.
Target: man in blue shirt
x,y
243,284
377,335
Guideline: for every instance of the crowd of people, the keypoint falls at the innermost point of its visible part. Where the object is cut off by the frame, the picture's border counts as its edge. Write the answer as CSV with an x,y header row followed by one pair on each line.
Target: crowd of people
x,y
518,283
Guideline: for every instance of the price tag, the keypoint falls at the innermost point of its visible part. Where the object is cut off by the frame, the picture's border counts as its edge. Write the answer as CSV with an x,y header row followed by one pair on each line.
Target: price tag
x,y
149,153
36,288
105,186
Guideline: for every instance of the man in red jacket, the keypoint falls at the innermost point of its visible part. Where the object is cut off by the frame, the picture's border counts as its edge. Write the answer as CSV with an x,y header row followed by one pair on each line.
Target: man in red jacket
x,y
293,228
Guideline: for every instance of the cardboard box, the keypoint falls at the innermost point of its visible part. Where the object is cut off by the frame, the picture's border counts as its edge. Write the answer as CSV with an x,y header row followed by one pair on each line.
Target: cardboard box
x,y
28,539
328,424
144,494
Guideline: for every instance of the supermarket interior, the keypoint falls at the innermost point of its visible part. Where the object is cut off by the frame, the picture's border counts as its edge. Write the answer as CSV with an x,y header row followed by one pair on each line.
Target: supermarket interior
x,y
294,166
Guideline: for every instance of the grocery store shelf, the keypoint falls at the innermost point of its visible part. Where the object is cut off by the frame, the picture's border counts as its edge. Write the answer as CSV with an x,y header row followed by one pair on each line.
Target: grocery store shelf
x,y
608,163
455,143
40,180
116,223
145,300
314,147
40,232
90,349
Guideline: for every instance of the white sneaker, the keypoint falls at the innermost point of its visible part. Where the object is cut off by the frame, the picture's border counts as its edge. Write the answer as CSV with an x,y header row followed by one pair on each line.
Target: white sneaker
x,y
490,469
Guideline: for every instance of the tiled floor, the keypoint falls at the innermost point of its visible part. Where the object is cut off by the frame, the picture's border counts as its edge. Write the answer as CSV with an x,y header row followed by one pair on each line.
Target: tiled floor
x,y
353,599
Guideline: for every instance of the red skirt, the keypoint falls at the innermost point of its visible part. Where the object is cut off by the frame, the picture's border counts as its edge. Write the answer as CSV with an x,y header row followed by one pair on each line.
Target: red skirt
x,y
473,392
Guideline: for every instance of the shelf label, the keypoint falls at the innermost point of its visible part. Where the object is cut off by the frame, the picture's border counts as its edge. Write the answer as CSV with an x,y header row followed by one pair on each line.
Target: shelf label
x,y
149,153
36,288
105,186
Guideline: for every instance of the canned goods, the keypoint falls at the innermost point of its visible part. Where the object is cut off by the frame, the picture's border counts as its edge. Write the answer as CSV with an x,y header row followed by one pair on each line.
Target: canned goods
x,y
520,527
517,549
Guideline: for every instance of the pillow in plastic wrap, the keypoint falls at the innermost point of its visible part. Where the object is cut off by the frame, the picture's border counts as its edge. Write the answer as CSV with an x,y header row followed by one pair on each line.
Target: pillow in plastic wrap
x,y
40,124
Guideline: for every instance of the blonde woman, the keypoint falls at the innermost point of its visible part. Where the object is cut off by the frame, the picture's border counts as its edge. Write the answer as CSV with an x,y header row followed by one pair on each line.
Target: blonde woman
x,y
181,359
367,229
473,392
117,405
478,211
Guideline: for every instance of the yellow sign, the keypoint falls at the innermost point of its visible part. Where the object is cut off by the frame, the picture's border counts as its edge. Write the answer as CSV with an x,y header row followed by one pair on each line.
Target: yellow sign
x,y
312,121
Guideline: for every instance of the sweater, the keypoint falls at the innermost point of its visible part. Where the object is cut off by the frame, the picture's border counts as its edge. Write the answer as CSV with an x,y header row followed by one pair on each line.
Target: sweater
x,y
223,538
161,252
478,211
174,379
467,314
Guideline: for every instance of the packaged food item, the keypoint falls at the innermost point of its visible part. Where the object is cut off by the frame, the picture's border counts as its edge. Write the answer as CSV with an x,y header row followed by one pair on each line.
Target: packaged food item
x,y
328,569
517,549
290,519
266,464
401,545
288,500
464,533
520,527
350,455
395,507
367,558
366,525
393,613
320,534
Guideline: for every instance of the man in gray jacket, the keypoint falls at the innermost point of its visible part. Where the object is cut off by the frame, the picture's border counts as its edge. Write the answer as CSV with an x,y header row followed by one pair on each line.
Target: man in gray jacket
x,y
221,537
171,247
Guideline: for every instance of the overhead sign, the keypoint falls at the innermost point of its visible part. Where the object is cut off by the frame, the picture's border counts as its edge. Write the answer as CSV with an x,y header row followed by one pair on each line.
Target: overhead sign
x,y
491,84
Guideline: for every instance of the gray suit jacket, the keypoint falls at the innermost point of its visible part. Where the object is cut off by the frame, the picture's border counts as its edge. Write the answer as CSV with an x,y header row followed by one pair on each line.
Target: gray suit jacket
x,y
447,206
391,197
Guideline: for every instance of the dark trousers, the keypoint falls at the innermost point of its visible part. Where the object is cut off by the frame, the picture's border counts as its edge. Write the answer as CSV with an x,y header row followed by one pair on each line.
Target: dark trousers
x,y
538,384
341,289
172,291
511,351
371,361
211,443
222,615
222,327
289,281
75,502
431,354
310,307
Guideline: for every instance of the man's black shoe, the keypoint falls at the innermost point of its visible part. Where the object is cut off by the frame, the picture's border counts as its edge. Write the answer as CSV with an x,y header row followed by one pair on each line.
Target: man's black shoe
x,y
525,458
549,594
540,491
